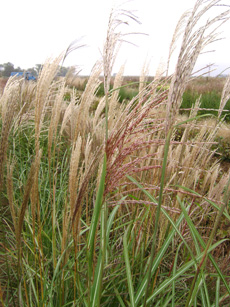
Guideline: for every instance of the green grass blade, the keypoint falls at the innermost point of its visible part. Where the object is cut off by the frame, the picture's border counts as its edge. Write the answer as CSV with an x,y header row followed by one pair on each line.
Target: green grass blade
x,y
97,281
206,290
170,220
142,189
94,222
200,283
217,298
96,288
141,290
119,297
57,271
225,213
174,272
180,272
198,287
110,222
163,211
105,232
128,269
195,232
178,232
221,299
167,301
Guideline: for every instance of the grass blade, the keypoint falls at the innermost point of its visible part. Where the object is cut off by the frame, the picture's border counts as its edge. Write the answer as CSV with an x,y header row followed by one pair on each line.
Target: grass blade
x,y
128,269
194,231
180,272
174,272
141,290
119,297
94,222
96,287
217,291
105,232
110,222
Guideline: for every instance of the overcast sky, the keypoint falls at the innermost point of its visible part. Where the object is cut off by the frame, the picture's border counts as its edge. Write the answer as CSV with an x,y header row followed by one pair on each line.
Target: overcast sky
x,y
32,31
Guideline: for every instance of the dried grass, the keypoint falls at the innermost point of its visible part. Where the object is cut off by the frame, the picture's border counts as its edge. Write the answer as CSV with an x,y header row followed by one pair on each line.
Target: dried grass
x,y
194,41
44,83
8,104
134,144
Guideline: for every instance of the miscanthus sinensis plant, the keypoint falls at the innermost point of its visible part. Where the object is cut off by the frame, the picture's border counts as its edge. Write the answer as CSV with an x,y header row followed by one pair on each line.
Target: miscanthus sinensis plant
x,y
118,205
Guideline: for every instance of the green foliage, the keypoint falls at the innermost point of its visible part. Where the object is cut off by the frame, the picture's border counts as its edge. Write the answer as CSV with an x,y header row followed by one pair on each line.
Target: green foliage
x,y
210,102
126,93
7,69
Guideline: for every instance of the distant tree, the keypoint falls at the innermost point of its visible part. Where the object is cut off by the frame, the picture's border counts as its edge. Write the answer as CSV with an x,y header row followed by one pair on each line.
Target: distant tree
x,y
18,69
8,69
1,70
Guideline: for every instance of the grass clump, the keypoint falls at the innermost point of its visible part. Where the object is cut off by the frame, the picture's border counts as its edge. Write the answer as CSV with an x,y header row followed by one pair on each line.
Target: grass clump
x,y
116,204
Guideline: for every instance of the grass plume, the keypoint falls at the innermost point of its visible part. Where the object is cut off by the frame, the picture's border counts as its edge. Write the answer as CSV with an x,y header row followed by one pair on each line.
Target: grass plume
x,y
115,203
